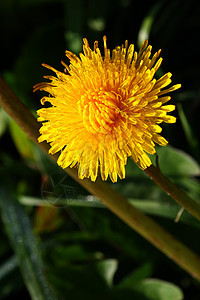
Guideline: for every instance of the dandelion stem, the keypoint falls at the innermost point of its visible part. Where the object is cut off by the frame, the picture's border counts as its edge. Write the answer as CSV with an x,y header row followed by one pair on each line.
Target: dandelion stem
x,y
178,195
141,223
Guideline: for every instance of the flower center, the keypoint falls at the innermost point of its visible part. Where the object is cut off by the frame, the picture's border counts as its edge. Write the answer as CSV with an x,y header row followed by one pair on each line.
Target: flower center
x,y
99,110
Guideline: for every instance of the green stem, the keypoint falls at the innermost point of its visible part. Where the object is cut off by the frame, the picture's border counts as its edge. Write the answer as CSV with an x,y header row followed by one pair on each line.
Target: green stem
x,y
142,224
171,189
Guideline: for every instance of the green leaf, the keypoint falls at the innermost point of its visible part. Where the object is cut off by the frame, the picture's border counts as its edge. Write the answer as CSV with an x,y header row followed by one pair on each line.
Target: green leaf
x,y
77,280
8,266
147,23
107,269
22,142
190,136
88,201
191,186
45,163
10,277
174,162
155,289
66,255
142,272
3,121
25,246
162,209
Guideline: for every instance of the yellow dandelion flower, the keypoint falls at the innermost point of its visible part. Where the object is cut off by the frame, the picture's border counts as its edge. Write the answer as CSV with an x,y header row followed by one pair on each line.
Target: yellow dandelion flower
x,y
106,108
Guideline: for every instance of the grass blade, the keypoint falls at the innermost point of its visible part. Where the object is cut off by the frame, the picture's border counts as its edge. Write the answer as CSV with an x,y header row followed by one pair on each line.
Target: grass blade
x,y
189,134
151,207
26,247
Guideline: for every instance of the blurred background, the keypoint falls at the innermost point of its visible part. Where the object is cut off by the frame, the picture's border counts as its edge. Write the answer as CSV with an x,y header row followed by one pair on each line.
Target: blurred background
x,y
56,241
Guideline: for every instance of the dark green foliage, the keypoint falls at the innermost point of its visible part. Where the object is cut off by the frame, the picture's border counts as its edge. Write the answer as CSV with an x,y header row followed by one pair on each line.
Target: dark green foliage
x,y
56,241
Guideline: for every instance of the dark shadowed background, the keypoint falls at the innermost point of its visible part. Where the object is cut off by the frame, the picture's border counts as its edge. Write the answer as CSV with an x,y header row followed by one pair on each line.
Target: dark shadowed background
x,y
54,237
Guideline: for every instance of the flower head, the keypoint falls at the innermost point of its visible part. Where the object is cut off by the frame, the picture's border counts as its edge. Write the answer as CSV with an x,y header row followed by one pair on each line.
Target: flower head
x,y
106,108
